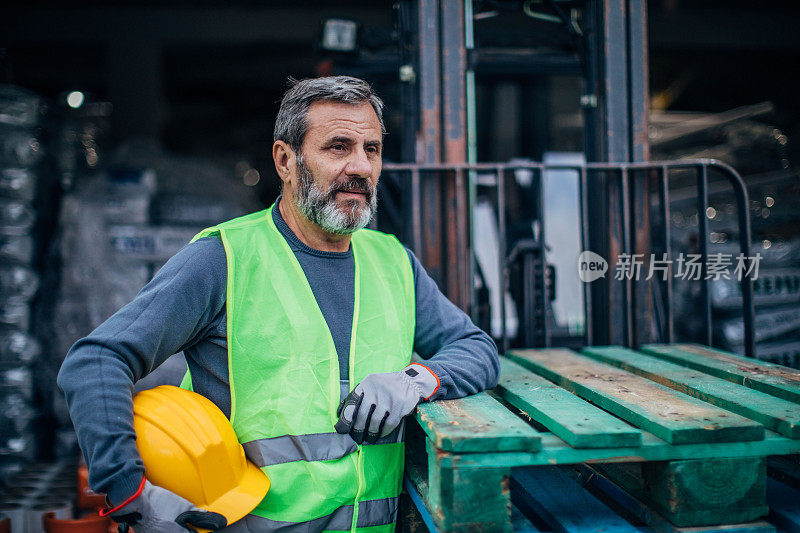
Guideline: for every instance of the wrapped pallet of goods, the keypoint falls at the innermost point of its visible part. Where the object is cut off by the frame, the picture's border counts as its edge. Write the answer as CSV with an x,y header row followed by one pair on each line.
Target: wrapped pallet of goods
x,y
21,152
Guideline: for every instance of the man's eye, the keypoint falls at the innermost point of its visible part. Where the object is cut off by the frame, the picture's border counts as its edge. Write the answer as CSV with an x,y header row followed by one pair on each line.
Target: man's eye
x,y
338,147
373,149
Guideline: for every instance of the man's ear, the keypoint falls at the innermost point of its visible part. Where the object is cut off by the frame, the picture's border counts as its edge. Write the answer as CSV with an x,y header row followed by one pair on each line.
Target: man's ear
x,y
284,158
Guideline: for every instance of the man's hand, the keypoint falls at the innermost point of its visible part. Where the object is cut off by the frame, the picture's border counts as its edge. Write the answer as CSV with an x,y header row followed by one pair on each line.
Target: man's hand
x,y
377,405
159,510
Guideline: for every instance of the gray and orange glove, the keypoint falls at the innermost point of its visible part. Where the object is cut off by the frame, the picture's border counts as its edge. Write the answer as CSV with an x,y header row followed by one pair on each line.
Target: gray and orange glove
x,y
377,405
155,509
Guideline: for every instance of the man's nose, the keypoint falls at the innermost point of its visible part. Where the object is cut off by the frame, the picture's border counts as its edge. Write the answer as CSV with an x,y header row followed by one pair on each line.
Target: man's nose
x,y
359,164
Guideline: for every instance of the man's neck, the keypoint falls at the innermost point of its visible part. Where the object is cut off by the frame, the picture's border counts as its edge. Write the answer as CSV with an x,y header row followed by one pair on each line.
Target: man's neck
x,y
309,233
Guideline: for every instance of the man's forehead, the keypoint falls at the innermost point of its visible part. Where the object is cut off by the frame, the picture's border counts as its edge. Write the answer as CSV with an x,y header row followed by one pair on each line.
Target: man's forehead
x,y
329,118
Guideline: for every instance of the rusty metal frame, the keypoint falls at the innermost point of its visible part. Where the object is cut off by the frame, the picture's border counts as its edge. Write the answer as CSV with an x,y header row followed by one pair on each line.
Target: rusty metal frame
x,y
615,109
627,173
442,137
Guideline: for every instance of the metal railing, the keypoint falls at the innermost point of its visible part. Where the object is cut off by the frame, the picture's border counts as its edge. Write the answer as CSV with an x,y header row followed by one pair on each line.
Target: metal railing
x,y
452,227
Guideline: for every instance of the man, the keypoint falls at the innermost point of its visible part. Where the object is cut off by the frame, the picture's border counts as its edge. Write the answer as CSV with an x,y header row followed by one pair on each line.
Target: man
x,y
299,326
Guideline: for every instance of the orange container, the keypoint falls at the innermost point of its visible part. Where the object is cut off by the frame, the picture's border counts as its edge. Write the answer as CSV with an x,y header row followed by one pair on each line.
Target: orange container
x,y
87,498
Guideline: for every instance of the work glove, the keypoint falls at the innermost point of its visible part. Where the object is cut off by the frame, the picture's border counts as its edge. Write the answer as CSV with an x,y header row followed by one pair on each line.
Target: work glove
x,y
377,405
157,510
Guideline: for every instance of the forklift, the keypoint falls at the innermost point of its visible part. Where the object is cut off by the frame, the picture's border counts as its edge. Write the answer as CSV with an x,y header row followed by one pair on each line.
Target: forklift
x,y
569,259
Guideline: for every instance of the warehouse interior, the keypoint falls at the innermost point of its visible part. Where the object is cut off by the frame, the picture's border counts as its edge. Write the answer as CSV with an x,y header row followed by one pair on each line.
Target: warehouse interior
x,y
126,128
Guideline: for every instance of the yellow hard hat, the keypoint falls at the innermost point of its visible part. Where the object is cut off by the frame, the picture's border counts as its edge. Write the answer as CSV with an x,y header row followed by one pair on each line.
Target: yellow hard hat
x,y
189,447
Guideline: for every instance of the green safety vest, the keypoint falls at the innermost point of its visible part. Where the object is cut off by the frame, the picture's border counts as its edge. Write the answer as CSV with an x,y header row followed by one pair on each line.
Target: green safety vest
x,y
284,376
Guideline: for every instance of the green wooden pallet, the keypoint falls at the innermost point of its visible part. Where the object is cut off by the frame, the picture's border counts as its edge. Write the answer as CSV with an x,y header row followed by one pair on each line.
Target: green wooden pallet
x,y
700,421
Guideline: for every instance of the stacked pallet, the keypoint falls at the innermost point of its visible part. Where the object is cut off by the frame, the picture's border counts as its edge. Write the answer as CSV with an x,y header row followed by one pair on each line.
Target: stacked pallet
x,y
674,436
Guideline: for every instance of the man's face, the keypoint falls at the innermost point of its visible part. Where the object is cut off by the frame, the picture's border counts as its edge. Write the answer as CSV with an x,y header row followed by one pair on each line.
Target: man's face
x,y
339,166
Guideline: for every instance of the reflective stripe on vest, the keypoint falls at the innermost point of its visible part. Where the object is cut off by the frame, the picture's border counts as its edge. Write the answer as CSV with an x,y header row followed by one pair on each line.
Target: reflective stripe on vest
x,y
284,369
371,513
313,447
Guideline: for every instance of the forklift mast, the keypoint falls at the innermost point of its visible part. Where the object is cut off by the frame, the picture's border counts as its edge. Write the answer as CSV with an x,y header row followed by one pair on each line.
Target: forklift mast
x,y
440,188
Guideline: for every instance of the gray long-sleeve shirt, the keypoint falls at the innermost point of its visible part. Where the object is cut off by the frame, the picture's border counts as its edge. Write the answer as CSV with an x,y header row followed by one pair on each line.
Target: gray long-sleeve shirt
x,y
183,309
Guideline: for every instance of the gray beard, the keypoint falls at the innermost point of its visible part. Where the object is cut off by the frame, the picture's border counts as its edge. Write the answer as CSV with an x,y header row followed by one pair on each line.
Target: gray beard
x,y
320,207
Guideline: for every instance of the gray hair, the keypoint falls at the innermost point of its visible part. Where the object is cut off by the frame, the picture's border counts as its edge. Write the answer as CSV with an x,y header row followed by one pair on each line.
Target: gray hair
x,y
291,124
